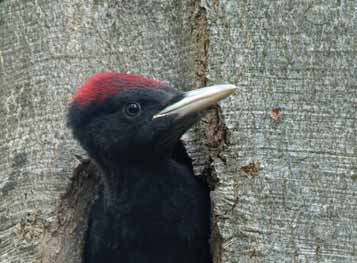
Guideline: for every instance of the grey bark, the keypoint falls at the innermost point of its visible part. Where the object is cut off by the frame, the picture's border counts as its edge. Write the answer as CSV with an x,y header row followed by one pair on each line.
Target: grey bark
x,y
280,155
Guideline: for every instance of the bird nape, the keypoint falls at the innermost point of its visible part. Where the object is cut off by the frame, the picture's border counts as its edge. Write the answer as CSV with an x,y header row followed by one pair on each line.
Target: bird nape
x,y
151,208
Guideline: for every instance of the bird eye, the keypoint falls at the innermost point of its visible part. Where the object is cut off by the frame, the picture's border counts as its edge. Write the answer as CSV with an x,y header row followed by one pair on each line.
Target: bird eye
x,y
132,109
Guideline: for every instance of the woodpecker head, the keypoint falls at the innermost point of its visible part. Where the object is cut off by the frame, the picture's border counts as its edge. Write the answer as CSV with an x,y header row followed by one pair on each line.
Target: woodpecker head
x,y
119,116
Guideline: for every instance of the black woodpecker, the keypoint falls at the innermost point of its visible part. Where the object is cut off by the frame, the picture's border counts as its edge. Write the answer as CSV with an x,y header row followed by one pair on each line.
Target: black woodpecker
x,y
150,208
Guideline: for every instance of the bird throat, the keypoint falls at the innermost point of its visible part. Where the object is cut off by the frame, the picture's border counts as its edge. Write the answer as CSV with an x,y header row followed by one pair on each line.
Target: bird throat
x,y
126,181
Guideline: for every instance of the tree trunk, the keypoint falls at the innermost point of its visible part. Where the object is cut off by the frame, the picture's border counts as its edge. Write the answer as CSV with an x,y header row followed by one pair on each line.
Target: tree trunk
x,y
280,155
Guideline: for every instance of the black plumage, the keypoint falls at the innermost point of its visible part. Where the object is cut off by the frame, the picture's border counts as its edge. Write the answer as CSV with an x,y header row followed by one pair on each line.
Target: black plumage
x,y
151,208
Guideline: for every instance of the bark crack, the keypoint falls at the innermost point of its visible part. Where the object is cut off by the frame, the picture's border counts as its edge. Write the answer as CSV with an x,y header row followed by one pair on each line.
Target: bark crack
x,y
64,240
212,126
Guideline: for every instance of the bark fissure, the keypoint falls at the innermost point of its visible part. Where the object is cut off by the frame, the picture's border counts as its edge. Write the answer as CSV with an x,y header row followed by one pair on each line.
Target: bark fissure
x,y
64,239
212,126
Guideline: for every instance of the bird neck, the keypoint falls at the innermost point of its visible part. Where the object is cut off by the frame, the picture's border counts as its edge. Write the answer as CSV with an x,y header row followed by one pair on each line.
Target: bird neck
x,y
123,179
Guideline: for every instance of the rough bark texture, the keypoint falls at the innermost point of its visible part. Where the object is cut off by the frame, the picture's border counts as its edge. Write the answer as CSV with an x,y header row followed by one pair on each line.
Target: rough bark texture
x,y
281,155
